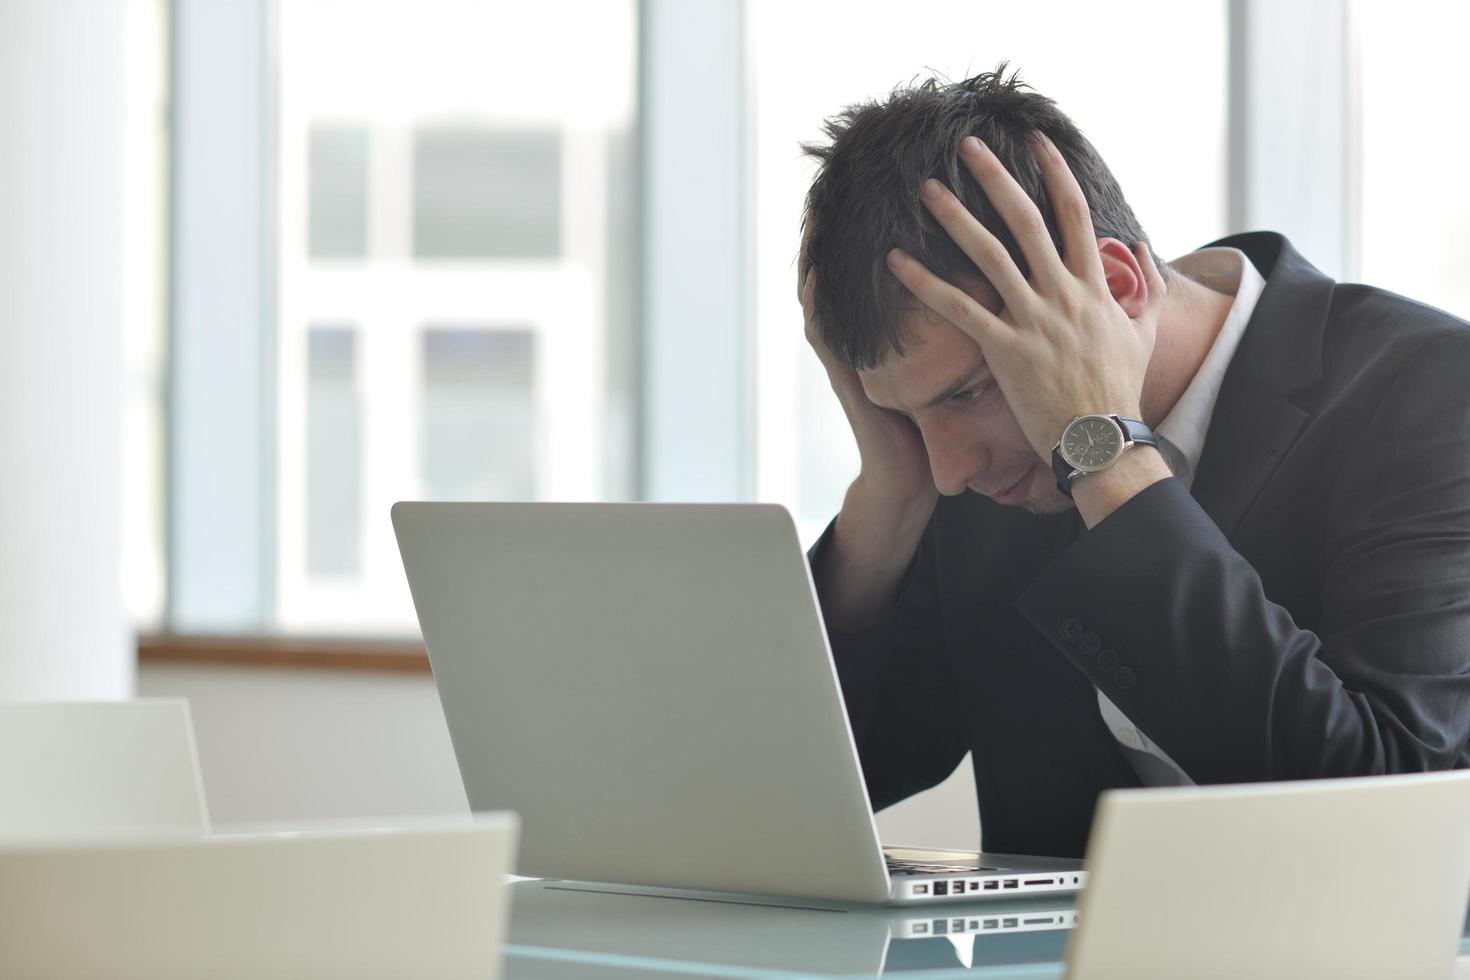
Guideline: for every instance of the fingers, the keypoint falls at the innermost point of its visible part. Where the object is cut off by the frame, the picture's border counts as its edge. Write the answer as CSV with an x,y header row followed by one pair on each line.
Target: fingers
x,y
1069,205
803,270
949,302
1015,208
808,310
976,241
810,327
1023,218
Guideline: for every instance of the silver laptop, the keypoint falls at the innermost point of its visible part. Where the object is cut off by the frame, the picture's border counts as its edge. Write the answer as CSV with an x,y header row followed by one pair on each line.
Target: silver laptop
x,y
649,686
422,897
1354,879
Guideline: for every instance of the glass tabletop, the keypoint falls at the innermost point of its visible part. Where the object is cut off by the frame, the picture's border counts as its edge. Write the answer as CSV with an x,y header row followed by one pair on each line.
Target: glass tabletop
x,y
571,931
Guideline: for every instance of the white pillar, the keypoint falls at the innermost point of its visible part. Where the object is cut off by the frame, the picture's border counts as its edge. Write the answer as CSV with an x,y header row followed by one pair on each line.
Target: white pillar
x,y
1294,127
62,627
697,345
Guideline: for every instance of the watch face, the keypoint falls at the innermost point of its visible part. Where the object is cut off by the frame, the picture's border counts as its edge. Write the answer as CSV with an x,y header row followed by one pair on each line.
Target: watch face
x,y
1092,443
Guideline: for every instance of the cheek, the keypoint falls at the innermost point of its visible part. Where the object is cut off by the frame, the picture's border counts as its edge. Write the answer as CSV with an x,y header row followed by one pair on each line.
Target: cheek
x,y
1000,423
988,423
954,439
943,434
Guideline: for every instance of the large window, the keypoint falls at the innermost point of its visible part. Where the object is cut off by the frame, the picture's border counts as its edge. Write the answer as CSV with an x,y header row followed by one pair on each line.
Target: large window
x,y
1146,84
455,286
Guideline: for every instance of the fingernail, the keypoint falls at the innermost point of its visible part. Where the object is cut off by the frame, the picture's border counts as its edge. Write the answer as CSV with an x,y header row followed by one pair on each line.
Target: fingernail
x,y
971,145
932,190
895,258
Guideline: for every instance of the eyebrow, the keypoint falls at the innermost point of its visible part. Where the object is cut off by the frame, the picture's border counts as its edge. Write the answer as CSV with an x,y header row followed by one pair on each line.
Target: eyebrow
x,y
955,387
950,390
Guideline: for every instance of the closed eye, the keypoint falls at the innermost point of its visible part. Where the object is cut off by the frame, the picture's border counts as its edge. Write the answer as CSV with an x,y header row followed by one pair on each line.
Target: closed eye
x,y
971,393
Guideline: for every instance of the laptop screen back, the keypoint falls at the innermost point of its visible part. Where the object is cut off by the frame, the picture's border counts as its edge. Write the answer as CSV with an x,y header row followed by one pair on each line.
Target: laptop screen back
x,y
1334,878
649,686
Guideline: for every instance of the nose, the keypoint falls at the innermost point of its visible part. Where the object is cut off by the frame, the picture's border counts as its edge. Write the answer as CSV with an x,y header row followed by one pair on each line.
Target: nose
x,y
955,459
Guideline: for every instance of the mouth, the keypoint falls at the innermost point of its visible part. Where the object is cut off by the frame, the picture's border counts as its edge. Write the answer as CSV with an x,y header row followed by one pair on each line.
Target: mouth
x,y
1012,491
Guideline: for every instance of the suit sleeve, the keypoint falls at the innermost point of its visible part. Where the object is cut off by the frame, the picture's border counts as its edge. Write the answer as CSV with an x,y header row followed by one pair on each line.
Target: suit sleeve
x,y
898,689
1224,680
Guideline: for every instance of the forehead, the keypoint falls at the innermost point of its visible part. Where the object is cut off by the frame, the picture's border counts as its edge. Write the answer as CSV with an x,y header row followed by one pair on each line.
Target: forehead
x,y
938,354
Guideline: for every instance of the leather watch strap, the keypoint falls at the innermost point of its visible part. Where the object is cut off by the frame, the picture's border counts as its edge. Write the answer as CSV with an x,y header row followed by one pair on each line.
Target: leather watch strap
x,y
1062,470
1136,432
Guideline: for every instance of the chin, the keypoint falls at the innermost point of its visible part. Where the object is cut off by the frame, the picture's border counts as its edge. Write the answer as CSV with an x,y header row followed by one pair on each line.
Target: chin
x,y
1049,501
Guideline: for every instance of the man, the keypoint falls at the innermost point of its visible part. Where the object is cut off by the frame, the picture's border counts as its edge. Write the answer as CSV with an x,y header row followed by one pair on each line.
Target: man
x,y
1271,581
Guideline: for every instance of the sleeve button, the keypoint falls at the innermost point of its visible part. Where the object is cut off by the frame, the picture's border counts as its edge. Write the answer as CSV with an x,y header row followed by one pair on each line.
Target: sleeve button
x,y
1125,677
1090,643
1071,630
1107,661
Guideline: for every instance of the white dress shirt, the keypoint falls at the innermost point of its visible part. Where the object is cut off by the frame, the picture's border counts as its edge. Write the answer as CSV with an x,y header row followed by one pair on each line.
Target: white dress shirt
x,y
1182,434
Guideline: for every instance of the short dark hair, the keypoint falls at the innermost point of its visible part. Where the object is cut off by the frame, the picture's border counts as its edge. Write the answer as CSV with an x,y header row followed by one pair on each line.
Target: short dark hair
x,y
865,198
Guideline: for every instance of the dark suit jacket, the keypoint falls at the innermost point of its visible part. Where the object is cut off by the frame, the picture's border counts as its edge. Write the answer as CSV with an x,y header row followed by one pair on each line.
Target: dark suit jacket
x,y
1304,613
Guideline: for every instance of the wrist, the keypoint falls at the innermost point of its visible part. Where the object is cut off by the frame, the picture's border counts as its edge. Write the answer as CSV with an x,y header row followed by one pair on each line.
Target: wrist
x,y
1097,495
900,505
874,539
879,529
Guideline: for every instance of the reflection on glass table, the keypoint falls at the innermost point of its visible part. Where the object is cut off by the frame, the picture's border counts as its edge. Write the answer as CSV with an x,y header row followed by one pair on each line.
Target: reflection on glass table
x,y
579,929
572,930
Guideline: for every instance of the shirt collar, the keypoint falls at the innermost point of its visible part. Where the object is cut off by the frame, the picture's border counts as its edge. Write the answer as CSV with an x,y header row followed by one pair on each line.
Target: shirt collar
x,y
1225,270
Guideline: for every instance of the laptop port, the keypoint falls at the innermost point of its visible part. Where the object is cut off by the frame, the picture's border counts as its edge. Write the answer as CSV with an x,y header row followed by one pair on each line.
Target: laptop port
x,y
1039,881
991,886
921,889
1009,923
941,888
921,927
992,923
974,886
1012,883
941,927
959,887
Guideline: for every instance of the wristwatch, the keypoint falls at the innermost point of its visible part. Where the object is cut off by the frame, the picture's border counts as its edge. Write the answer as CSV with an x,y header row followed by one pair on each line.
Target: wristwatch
x,y
1091,443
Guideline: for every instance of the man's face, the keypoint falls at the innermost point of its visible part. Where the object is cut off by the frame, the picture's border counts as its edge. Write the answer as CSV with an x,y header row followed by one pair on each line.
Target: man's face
x,y
942,385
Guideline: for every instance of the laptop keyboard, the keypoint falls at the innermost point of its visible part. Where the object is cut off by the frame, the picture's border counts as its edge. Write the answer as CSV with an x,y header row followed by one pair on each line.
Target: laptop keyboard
x,y
897,867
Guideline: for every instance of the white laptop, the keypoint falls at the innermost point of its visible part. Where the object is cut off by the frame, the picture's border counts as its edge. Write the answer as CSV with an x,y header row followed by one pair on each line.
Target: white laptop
x,y
1353,879
424,898
649,686
88,767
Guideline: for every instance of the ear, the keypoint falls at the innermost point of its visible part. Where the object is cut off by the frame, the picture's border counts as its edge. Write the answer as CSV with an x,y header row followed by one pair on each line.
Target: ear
x,y
1126,280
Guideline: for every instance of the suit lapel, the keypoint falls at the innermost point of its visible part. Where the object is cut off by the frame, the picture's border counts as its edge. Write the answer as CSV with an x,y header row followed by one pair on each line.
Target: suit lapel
x,y
1265,399
1241,454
